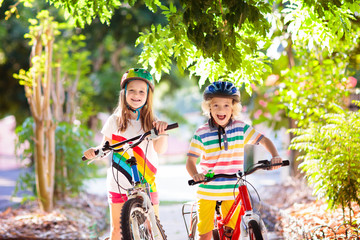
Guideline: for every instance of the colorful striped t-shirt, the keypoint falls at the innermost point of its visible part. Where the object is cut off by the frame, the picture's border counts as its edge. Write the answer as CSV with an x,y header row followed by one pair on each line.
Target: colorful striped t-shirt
x,y
228,160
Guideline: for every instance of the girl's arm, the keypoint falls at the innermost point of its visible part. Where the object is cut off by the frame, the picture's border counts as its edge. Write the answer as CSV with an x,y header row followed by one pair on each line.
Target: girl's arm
x,y
161,143
90,153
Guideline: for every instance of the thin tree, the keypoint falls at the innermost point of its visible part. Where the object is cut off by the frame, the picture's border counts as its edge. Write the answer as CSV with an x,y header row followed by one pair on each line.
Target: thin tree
x,y
38,84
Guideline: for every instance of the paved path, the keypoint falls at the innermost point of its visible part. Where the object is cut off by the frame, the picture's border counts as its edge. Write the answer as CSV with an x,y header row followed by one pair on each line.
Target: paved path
x,y
172,187
8,180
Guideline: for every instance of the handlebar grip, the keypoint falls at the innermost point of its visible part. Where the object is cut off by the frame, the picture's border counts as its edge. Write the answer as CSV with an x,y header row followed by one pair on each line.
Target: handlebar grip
x,y
172,126
96,153
191,182
285,163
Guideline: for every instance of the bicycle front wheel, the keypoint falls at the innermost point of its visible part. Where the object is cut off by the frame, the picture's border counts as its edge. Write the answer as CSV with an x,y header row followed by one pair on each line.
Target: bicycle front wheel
x,y
136,223
254,230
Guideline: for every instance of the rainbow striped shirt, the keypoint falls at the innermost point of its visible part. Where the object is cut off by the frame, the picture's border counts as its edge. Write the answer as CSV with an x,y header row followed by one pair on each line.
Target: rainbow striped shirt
x,y
147,171
228,160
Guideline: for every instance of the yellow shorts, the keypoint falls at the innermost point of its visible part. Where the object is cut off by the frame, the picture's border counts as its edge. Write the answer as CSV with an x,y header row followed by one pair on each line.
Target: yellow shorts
x,y
206,213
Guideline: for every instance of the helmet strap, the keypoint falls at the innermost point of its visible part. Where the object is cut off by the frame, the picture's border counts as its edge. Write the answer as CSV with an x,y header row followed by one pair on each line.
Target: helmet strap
x,y
221,131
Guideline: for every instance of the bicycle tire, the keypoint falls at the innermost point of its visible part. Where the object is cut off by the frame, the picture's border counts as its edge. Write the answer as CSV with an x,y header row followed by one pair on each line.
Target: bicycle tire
x,y
215,234
134,216
254,230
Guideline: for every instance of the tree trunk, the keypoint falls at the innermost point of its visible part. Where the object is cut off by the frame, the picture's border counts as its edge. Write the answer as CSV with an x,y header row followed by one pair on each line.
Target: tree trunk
x,y
38,95
294,171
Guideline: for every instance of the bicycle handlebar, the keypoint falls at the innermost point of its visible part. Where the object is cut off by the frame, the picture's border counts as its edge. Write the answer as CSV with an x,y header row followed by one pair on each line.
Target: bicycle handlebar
x,y
264,164
140,138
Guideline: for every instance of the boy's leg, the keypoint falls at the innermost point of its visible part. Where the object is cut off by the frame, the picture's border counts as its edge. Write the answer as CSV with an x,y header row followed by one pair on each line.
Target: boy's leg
x,y
206,213
206,236
225,208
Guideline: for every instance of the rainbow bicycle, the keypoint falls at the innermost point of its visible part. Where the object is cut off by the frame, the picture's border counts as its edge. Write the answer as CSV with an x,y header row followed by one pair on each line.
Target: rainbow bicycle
x,y
138,219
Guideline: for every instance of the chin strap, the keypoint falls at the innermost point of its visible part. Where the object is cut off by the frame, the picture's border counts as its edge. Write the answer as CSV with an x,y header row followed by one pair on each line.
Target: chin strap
x,y
135,110
221,131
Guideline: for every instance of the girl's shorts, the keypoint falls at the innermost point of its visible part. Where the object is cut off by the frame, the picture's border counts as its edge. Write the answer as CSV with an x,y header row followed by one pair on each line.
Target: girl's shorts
x,y
114,197
206,213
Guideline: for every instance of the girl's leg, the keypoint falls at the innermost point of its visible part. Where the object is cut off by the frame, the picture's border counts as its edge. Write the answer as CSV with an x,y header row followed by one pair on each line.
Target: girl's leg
x,y
156,210
115,214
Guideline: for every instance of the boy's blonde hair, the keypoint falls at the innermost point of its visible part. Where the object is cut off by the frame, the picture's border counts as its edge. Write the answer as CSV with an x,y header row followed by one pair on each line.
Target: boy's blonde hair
x,y
236,108
146,112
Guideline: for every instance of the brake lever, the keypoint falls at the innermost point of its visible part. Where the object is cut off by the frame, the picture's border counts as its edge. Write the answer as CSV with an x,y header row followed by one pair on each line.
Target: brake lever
x,y
153,134
101,154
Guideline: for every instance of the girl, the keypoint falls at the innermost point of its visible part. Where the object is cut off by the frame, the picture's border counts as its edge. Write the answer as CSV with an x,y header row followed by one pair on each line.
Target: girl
x,y
133,116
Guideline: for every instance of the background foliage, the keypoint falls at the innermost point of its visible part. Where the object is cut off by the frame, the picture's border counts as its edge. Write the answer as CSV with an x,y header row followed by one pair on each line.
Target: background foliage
x,y
293,60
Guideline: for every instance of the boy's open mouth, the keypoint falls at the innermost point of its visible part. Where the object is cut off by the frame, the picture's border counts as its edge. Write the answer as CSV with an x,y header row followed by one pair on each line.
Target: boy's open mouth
x,y
221,117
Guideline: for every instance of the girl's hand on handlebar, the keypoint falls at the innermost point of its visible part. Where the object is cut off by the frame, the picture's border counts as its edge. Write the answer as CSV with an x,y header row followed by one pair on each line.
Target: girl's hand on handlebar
x,y
160,126
276,159
90,153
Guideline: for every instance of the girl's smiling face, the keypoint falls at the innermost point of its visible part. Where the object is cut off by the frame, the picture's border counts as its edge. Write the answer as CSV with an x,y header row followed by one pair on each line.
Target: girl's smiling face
x,y
136,93
221,110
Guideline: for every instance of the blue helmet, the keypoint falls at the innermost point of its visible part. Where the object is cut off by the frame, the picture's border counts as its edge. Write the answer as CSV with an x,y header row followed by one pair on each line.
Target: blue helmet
x,y
222,89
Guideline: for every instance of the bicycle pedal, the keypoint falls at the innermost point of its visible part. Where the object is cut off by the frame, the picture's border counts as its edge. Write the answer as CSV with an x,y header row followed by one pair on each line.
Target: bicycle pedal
x,y
228,232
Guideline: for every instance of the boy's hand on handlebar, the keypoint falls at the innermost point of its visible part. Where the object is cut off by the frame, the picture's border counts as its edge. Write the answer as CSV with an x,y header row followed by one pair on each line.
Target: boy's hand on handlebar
x,y
90,153
160,126
276,159
198,177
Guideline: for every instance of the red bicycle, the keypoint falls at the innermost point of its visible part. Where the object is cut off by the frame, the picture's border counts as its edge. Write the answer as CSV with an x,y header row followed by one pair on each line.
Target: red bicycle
x,y
249,224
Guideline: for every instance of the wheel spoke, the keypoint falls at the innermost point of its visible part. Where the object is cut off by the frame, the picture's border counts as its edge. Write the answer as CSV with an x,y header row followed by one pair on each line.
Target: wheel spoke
x,y
136,223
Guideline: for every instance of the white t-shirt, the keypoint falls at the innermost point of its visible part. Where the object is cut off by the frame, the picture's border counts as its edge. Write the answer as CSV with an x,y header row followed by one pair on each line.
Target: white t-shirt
x,y
144,153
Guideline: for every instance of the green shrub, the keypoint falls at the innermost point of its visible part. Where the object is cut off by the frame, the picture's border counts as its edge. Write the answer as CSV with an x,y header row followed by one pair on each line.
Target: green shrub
x,y
331,159
71,171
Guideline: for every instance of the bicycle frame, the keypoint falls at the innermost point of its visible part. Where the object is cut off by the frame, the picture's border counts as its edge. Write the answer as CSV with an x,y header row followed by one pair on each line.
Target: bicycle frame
x,y
247,218
140,190
243,198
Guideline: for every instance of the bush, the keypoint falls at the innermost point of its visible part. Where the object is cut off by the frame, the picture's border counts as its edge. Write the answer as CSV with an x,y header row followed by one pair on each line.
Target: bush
x,y
331,159
71,171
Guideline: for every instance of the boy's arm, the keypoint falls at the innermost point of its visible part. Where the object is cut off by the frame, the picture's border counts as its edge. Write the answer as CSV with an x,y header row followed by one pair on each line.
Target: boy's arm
x,y
270,147
192,170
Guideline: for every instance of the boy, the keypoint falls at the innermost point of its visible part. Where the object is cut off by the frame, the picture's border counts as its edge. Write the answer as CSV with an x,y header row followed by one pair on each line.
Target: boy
x,y
220,144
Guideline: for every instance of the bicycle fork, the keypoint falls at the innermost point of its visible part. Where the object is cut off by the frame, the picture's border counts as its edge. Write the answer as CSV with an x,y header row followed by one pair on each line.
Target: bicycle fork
x,y
246,214
145,196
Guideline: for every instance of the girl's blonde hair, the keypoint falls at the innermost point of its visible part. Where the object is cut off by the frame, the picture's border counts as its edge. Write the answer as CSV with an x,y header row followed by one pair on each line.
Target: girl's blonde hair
x,y
236,108
146,113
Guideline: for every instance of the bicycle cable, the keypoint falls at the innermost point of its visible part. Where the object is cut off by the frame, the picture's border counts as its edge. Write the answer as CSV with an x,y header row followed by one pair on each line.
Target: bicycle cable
x,y
252,186
145,160
117,174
